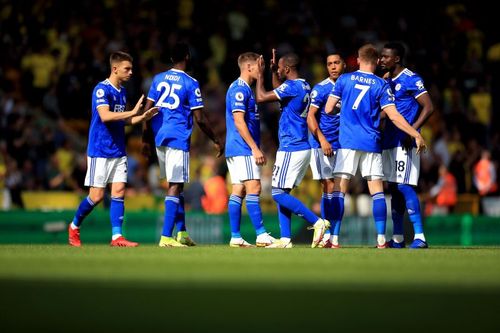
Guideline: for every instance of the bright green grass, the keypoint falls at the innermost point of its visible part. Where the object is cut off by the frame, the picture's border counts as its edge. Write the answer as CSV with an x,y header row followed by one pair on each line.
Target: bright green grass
x,y
219,289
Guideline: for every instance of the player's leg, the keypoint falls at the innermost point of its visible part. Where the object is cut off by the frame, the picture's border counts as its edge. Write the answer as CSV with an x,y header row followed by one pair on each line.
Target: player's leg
x,y
238,170
397,212
372,170
346,165
180,223
393,174
409,165
288,171
94,178
253,189
174,167
118,179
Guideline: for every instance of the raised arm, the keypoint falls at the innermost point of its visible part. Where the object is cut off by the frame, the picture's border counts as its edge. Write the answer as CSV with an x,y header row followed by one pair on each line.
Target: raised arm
x,y
261,94
106,115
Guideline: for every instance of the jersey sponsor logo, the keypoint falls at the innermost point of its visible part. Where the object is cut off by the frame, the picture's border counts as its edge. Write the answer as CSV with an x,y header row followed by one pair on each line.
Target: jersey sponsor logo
x,y
398,87
420,85
99,93
239,96
100,100
239,104
119,108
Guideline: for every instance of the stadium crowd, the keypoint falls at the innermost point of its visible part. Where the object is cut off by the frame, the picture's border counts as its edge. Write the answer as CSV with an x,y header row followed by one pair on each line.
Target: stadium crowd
x,y
51,62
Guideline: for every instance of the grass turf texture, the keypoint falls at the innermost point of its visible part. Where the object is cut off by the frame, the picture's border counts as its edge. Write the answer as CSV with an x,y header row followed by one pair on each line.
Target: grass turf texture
x,y
220,289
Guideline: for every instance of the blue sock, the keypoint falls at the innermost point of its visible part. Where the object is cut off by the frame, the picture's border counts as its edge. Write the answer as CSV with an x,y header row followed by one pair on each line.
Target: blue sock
x,y
326,210
116,212
397,210
255,213
234,210
337,203
379,212
293,204
180,217
83,210
171,209
413,207
285,219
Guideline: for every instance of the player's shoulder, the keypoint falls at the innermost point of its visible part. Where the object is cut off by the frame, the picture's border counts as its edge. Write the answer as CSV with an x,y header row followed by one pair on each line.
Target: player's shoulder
x,y
186,76
326,83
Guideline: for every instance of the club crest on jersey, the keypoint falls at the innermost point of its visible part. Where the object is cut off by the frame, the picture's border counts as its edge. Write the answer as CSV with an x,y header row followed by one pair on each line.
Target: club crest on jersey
x,y
99,93
398,86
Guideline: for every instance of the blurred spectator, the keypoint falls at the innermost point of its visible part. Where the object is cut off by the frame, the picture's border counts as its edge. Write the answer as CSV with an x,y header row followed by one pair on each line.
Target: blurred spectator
x,y
485,175
443,194
216,195
194,192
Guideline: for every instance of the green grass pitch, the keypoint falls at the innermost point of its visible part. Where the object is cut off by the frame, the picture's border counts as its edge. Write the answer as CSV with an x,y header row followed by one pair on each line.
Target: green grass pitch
x,y
55,288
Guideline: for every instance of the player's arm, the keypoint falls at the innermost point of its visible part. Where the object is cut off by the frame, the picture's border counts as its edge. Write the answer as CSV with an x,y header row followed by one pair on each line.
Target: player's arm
x,y
145,116
401,123
312,123
147,133
274,71
202,121
330,103
427,108
261,94
241,126
425,103
106,115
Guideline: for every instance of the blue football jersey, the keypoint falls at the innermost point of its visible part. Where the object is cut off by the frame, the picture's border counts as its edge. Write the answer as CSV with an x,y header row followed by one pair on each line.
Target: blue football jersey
x,y
240,98
407,87
328,123
107,139
176,94
294,99
363,95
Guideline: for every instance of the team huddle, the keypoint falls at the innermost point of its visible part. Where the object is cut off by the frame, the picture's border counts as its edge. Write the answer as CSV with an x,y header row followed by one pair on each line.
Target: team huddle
x,y
349,121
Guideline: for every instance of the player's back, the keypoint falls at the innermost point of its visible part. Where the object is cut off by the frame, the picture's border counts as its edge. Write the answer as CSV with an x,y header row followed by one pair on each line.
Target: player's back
x,y
107,139
240,98
177,94
294,96
327,123
363,95
407,87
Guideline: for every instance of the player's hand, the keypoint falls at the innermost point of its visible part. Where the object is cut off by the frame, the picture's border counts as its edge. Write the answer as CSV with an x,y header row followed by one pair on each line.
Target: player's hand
x,y
150,113
327,148
260,158
421,146
138,105
407,143
261,65
273,64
